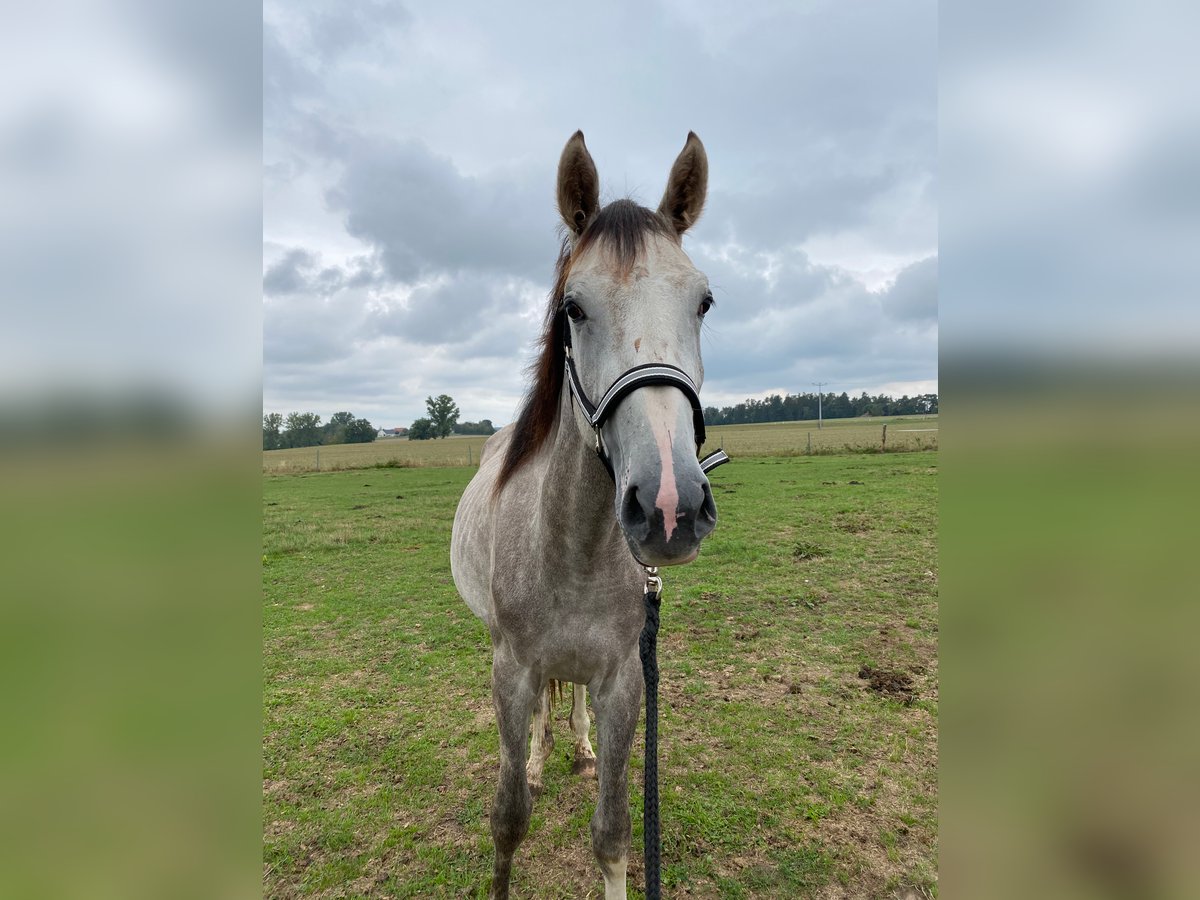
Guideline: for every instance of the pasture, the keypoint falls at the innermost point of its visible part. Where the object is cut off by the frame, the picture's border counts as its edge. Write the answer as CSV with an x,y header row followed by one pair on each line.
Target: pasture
x,y
798,734
768,439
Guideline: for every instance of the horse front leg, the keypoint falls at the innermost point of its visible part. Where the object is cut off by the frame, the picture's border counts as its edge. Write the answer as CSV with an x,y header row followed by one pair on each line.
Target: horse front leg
x,y
515,693
542,744
618,702
585,756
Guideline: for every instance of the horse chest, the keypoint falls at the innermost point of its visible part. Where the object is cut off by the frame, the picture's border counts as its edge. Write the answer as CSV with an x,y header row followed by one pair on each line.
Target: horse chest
x,y
560,625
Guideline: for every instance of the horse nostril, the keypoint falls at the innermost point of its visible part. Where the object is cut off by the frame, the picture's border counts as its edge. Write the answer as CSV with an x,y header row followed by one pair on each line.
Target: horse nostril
x,y
633,515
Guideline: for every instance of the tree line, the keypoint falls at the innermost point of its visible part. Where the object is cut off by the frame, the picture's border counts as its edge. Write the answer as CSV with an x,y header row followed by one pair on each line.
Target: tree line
x,y
305,430
797,407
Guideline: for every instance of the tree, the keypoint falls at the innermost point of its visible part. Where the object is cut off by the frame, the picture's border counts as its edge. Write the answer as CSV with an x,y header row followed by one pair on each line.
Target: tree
x,y
420,430
794,407
483,426
443,413
360,431
272,428
335,429
303,430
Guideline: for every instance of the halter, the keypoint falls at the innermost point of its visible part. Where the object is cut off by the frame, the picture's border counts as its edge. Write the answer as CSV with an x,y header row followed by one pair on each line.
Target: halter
x,y
628,382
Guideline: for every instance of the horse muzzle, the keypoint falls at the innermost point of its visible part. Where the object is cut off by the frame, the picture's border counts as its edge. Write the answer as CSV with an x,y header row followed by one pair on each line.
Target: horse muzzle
x,y
664,504
664,524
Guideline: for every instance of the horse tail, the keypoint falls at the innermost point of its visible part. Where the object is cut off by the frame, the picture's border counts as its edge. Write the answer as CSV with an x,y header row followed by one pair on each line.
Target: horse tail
x,y
556,690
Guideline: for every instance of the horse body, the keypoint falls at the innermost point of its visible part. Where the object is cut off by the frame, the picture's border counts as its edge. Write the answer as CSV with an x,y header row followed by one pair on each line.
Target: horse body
x,y
544,564
561,596
543,550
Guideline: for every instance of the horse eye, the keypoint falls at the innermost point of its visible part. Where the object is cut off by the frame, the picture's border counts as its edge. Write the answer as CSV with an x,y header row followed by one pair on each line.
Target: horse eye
x,y
706,304
573,311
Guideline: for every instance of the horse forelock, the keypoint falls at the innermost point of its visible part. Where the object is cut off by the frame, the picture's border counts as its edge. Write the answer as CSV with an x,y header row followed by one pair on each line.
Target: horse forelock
x,y
620,230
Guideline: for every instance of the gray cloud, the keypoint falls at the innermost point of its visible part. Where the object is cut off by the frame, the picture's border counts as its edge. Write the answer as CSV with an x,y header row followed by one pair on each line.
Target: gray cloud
x,y
410,161
914,295
286,276
455,310
423,216
299,271
334,30
286,78
810,323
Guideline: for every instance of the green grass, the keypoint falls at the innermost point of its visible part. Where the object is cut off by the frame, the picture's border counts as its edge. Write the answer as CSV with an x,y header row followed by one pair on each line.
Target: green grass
x,y
781,771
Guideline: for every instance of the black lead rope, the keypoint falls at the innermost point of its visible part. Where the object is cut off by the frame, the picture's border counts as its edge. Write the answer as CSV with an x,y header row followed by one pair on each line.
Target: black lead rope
x,y
647,646
648,649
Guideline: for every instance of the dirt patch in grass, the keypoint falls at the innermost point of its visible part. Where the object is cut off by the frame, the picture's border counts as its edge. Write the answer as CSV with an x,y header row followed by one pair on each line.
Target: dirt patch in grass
x,y
889,681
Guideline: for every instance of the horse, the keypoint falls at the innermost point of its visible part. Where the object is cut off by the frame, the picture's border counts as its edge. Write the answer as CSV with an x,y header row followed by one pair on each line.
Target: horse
x,y
536,551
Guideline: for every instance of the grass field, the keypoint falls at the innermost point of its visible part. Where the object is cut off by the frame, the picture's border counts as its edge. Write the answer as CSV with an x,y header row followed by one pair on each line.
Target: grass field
x,y
798,738
773,439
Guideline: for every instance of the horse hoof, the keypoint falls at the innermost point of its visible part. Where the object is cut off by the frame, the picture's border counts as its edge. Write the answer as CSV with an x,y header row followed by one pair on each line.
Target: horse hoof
x,y
535,789
585,767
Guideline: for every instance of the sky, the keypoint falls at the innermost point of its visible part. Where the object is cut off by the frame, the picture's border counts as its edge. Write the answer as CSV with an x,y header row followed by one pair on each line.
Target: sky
x,y
410,155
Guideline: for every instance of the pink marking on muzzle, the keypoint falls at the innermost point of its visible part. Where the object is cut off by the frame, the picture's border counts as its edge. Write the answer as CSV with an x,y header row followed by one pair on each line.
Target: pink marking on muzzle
x,y
668,494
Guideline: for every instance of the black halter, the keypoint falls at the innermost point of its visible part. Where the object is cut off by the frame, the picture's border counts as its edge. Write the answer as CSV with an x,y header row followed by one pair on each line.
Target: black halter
x,y
628,382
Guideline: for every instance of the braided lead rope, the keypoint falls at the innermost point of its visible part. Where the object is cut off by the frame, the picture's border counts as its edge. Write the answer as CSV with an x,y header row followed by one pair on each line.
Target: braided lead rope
x,y
648,650
647,647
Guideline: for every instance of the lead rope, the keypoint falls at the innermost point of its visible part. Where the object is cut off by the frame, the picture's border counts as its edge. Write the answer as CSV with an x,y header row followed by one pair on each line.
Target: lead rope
x,y
647,646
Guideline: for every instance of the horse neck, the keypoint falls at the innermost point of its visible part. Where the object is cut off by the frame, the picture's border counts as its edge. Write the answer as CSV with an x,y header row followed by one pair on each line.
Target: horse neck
x,y
576,491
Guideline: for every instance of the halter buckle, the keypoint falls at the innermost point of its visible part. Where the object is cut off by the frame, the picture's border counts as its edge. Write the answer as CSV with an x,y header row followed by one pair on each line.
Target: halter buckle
x,y
653,580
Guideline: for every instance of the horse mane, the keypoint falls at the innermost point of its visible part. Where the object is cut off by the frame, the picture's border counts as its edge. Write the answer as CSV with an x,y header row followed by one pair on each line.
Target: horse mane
x,y
621,229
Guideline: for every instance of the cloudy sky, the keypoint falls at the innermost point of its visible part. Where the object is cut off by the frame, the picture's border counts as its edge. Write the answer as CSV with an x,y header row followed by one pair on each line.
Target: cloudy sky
x,y
410,154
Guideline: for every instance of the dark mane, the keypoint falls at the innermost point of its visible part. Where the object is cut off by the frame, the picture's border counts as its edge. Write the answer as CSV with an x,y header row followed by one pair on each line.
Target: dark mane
x,y
620,229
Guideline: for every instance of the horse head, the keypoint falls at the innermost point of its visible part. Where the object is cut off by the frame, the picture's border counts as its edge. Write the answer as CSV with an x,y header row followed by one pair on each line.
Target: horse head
x,y
629,300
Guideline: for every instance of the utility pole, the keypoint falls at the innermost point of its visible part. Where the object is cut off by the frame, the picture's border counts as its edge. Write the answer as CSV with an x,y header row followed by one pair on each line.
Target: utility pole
x,y
819,385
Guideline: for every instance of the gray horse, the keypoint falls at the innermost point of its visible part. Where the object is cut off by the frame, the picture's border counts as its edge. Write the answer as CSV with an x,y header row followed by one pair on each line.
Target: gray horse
x,y
537,552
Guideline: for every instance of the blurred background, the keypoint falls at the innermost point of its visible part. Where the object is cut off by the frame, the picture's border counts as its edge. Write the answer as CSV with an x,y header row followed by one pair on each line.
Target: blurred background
x,y
1070,218
130,223
130,241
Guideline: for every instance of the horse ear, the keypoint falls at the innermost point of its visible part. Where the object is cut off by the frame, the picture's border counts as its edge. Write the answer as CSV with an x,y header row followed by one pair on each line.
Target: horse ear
x,y
578,185
687,186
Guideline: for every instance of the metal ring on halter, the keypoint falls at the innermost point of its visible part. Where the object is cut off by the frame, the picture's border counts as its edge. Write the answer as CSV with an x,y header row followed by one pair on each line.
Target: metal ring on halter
x,y
654,581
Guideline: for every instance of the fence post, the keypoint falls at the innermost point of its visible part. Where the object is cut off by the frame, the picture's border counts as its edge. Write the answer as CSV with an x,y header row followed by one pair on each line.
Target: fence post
x,y
470,461
883,446
318,459
810,443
